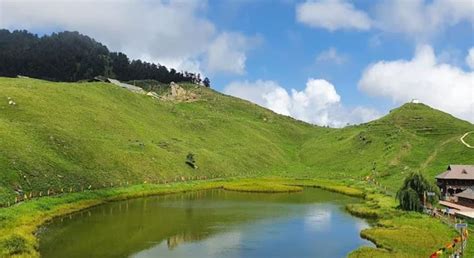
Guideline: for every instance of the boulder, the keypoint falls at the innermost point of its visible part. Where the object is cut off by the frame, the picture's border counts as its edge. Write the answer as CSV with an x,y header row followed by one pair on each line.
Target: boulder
x,y
177,91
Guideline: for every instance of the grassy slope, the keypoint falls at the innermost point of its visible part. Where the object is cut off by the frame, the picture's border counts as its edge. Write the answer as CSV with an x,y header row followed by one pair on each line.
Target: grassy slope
x,y
469,139
63,135
68,135
412,137
71,135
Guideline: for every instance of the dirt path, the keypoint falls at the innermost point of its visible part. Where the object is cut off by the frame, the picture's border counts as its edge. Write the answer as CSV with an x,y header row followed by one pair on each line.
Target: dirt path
x,y
465,143
435,152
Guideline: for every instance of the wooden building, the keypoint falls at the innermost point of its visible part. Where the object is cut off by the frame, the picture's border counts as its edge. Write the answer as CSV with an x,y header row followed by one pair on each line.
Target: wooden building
x,y
466,198
456,179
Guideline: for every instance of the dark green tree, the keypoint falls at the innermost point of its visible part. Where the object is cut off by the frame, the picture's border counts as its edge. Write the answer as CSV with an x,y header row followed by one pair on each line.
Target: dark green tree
x,y
413,191
71,56
206,82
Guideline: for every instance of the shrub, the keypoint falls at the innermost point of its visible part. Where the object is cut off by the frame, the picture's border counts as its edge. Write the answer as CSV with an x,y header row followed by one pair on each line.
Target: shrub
x,y
190,160
14,245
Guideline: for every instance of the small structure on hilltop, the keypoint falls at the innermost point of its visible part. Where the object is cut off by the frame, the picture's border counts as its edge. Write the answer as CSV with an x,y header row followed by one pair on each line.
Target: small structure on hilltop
x,y
153,95
129,87
456,179
415,101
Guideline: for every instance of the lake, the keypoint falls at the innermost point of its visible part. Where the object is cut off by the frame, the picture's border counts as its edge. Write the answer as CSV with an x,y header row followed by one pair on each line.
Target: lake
x,y
211,223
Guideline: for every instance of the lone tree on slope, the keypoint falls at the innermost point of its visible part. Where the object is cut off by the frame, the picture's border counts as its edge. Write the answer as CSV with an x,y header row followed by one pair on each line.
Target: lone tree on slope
x,y
413,191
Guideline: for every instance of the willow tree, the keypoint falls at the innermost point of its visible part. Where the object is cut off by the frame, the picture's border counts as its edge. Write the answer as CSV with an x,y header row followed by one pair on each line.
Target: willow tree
x,y
414,190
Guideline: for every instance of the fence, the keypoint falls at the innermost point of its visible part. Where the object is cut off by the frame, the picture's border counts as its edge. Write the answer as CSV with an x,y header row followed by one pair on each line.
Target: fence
x,y
26,196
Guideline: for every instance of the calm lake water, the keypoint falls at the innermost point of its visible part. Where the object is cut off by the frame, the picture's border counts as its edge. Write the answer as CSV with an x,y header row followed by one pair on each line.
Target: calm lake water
x,y
213,223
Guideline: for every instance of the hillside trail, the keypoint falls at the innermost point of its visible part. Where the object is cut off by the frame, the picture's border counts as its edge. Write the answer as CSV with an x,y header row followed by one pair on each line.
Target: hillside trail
x,y
464,142
435,152
441,145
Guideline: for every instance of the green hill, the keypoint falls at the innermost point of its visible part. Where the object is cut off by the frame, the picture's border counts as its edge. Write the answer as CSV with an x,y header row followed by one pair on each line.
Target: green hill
x,y
62,135
413,137
73,135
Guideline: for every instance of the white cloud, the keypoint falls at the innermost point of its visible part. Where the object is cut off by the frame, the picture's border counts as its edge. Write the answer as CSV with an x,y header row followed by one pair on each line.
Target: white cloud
x,y
227,53
318,103
331,55
173,32
440,85
188,64
332,15
417,19
470,58
264,93
420,19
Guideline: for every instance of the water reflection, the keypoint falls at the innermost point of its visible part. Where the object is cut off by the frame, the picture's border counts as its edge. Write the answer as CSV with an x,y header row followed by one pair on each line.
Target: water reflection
x,y
318,219
213,223
175,240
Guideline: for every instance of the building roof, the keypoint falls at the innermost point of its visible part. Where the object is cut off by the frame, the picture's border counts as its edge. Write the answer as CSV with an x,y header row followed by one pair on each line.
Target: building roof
x,y
126,86
468,194
463,172
455,207
466,214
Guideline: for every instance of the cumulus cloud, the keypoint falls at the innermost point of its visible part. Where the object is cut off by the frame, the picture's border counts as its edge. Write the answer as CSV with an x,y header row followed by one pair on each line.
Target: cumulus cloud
x,y
422,19
331,55
440,85
332,15
470,58
417,19
319,103
227,53
173,32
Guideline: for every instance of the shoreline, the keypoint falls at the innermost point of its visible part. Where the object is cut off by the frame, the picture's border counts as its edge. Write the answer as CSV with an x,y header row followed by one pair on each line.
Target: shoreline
x,y
19,223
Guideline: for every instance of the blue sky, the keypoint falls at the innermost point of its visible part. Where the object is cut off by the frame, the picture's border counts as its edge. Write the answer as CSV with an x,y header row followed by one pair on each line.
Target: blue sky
x,y
289,50
328,62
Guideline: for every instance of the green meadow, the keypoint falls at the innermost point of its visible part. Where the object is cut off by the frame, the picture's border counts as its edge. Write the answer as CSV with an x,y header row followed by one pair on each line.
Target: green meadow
x,y
87,143
469,139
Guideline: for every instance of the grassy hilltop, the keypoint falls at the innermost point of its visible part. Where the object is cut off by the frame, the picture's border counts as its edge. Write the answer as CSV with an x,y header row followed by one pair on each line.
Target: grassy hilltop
x,y
73,135
413,137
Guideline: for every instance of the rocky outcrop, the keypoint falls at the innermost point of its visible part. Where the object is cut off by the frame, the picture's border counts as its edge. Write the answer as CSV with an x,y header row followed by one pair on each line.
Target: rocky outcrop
x,y
179,94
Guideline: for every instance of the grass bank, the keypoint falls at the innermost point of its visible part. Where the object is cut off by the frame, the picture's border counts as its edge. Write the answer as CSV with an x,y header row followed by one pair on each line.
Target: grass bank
x,y
19,223
257,186
396,233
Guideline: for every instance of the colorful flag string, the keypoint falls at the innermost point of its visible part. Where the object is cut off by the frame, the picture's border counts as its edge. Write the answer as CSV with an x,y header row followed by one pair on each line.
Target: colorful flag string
x,y
450,246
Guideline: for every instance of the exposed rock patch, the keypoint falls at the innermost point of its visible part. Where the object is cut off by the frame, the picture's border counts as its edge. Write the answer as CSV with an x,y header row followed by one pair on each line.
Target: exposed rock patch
x,y
179,94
